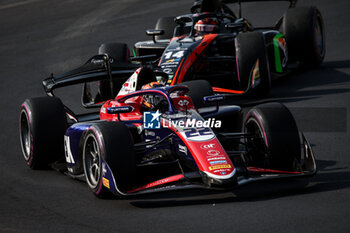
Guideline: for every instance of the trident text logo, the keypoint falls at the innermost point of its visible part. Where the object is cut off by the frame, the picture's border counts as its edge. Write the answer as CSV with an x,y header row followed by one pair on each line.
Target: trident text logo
x,y
151,120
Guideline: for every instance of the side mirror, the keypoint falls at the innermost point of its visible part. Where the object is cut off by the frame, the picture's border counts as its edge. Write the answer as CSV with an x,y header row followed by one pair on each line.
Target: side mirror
x,y
121,109
213,98
154,33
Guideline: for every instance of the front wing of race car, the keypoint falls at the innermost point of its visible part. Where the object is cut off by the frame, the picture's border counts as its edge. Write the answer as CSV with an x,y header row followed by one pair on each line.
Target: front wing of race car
x,y
194,180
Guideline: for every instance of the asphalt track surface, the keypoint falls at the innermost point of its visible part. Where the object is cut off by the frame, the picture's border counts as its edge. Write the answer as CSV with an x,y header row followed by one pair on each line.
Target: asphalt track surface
x,y
40,37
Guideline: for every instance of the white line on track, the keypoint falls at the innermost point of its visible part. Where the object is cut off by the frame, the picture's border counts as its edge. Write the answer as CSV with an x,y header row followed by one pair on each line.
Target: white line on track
x,y
21,3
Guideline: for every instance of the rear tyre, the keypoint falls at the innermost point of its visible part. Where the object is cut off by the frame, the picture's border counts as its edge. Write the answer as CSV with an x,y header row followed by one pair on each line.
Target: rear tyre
x,y
198,89
42,124
112,143
276,137
305,35
168,25
250,48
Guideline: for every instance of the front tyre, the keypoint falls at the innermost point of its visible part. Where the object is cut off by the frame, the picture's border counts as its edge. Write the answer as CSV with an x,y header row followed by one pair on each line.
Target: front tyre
x,y
118,51
197,90
110,142
168,25
275,141
252,63
42,124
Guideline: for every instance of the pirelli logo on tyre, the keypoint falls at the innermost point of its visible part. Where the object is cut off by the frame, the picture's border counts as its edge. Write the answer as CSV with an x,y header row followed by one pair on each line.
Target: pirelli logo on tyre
x,y
219,167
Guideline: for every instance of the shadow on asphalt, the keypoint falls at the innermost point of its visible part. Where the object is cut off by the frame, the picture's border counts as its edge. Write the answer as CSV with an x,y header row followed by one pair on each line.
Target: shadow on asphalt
x,y
329,178
303,84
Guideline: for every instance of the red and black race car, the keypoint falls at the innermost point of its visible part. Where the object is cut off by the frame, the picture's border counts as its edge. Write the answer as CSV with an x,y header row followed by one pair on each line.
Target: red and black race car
x,y
214,44
151,140
225,49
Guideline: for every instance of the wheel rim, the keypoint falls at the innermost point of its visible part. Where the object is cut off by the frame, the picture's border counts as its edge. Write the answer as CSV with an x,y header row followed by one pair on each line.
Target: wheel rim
x,y
92,161
260,157
25,135
319,36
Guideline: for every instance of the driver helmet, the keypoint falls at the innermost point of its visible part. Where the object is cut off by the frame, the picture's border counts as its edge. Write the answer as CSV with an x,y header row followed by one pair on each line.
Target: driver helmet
x,y
207,25
152,102
151,85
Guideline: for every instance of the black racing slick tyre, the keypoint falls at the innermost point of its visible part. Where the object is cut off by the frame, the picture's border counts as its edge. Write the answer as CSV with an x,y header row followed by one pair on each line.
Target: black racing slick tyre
x,y
275,141
110,142
118,51
167,24
197,90
252,62
42,124
303,28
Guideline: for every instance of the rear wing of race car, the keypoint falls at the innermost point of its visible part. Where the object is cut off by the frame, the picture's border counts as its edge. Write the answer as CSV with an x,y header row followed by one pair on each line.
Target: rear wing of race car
x,y
217,5
292,2
97,68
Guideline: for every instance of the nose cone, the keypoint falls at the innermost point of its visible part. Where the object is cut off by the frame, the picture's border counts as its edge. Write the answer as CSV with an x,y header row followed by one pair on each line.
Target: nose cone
x,y
213,161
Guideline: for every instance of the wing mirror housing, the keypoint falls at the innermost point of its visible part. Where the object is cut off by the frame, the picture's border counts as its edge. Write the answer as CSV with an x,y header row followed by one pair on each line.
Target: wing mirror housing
x,y
213,99
120,109
154,33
